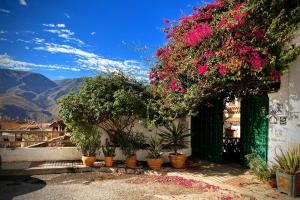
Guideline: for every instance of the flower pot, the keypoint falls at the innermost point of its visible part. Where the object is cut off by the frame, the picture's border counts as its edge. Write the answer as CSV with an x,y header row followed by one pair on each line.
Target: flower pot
x,y
108,161
272,182
88,160
131,161
288,183
177,160
154,163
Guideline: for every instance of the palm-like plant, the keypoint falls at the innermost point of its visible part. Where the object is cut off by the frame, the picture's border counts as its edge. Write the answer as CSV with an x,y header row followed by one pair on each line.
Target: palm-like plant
x,y
155,147
289,161
175,136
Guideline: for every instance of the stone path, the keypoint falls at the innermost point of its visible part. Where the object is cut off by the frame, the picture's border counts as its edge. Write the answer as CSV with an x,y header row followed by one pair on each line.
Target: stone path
x,y
227,177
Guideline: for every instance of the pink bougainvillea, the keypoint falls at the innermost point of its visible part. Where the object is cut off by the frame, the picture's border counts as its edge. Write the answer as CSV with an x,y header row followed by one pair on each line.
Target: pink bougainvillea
x,y
197,35
202,69
218,45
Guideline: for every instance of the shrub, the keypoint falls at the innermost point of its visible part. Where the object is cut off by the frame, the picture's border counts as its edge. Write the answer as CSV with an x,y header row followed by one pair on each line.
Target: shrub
x,y
289,161
86,138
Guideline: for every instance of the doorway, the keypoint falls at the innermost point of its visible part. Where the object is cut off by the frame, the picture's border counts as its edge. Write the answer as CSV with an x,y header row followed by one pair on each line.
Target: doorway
x,y
208,131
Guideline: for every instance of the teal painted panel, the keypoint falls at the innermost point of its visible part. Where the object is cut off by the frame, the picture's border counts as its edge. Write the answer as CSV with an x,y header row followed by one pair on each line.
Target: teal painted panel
x,y
254,126
207,132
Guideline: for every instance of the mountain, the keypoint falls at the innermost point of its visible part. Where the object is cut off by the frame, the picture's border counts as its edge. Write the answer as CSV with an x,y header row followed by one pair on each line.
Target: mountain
x,y
28,95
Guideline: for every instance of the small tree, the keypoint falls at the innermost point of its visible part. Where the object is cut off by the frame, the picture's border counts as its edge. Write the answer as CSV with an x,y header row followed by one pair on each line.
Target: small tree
x,y
112,102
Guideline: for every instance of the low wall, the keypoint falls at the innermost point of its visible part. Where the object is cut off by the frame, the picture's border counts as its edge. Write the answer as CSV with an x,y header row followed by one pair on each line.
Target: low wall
x,y
64,153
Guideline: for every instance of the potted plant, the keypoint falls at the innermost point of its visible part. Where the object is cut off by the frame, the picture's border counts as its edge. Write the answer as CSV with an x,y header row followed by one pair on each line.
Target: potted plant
x,y
175,138
129,143
88,140
288,174
261,169
154,159
109,153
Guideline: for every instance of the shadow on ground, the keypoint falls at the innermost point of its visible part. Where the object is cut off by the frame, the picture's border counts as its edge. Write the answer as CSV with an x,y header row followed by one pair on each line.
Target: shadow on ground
x,y
12,186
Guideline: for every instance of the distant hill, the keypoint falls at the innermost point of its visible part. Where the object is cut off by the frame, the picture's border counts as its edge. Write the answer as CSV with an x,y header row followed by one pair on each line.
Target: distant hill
x,y
28,95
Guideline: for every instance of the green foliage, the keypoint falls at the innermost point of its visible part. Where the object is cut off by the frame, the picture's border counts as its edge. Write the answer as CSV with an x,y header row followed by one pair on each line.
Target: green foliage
x,y
289,161
109,151
242,50
112,102
175,136
155,147
260,167
86,138
130,142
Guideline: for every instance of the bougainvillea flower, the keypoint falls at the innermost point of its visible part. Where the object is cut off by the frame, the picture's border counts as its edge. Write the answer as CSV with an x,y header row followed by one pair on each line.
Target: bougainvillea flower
x,y
202,69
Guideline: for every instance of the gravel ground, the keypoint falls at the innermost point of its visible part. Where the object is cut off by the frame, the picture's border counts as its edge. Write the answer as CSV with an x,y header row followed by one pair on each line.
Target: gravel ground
x,y
108,186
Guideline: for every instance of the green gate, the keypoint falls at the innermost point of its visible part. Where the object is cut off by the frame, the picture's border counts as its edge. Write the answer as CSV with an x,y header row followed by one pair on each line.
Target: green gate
x,y
207,132
254,126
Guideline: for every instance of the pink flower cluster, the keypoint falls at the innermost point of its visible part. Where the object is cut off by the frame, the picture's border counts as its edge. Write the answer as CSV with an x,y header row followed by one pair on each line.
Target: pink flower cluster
x,y
208,54
202,69
194,37
275,75
175,87
186,183
253,57
222,69
159,52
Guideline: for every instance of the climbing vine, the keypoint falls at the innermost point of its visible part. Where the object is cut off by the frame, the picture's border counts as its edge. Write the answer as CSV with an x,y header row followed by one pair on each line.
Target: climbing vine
x,y
228,48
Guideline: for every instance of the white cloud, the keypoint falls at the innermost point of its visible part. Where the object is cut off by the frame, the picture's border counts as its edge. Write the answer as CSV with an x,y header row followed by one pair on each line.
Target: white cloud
x,y
4,11
49,25
3,32
9,63
61,25
55,25
92,61
3,39
27,48
93,33
64,33
38,40
67,15
21,40
23,2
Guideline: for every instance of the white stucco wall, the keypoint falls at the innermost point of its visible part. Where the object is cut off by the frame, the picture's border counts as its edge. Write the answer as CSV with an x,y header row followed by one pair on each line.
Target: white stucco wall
x,y
287,99
71,153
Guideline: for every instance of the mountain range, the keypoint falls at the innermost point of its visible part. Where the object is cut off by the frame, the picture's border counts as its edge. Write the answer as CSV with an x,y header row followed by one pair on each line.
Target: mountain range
x,y
28,95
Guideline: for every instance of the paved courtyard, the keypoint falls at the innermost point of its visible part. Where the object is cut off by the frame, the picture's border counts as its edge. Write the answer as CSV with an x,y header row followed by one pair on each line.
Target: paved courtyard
x,y
201,180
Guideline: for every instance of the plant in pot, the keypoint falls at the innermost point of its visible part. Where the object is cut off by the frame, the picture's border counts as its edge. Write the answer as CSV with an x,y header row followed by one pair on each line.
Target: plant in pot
x,y
175,138
129,143
109,153
154,158
88,140
288,174
261,169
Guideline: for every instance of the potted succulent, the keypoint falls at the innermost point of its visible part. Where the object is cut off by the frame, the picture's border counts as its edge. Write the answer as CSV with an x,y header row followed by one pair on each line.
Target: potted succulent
x,y
129,143
88,140
261,169
109,153
175,138
154,158
288,174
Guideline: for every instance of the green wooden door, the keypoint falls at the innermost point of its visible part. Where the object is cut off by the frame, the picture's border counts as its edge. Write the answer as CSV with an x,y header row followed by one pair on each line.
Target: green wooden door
x,y
254,126
207,132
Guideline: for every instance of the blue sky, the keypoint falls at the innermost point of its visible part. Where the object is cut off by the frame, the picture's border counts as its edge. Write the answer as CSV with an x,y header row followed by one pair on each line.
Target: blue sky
x,y
67,39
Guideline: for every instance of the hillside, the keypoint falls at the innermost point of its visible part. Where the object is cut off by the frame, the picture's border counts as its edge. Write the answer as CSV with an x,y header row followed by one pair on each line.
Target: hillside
x,y
28,95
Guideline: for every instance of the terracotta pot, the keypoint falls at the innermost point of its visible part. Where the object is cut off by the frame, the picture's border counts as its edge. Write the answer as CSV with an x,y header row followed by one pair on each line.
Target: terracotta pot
x,y
88,160
131,161
272,183
154,163
108,161
177,160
